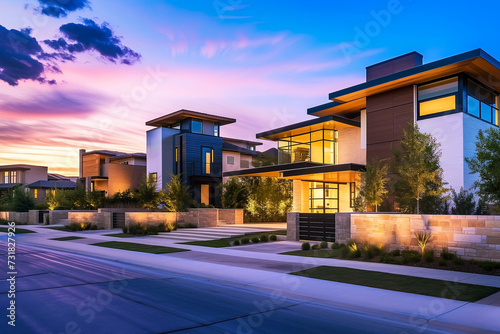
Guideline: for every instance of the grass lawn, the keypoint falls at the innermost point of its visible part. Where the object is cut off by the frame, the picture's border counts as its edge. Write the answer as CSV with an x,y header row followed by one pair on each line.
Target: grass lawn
x,y
417,285
226,242
67,238
139,247
321,253
17,231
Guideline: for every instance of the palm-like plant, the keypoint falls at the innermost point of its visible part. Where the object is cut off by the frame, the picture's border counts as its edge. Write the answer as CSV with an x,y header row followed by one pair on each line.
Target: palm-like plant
x,y
422,239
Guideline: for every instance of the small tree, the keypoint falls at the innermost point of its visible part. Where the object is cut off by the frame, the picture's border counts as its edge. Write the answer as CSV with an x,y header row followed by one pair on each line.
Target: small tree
x,y
21,201
95,199
373,183
463,202
417,169
146,193
176,196
234,194
486,163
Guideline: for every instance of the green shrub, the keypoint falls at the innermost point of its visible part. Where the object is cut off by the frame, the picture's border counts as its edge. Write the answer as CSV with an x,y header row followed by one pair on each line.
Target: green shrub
x,y
190,225
458,261
264,238
255,240
388,258
3,222
245,241
152,230
315,247
353,250
410,256
162,227
41,206
378,249
306,246
125,229
335,245
236,243
323,244
273,237
442,262
429,256
447,255
93,226
395,252
344,252
367,251
489,265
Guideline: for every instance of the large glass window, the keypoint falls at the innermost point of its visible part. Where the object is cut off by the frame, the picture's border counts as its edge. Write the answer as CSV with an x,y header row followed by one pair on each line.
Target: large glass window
x,y
13,177
323,197
482,102
317,146
6,177
438,97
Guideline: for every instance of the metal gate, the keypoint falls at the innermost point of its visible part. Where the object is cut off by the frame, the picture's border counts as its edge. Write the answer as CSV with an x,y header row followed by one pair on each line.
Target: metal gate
x,y
40,216
118,219
317,226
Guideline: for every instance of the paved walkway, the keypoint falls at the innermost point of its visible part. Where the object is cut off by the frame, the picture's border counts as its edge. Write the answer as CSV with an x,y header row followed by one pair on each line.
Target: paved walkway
x,y
259,267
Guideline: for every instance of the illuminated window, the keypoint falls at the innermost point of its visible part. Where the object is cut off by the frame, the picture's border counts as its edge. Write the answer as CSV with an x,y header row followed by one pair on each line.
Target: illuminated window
x,y
318,146
207,159
176,154
323,197
154,176
35,193
13,177
6,177
437,105
352,194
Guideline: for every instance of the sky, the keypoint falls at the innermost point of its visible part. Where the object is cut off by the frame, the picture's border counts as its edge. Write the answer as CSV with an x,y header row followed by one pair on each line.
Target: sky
x,y
88,74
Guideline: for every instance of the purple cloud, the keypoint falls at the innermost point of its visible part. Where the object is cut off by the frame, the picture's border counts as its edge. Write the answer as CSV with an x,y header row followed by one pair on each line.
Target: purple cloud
x,y
61,8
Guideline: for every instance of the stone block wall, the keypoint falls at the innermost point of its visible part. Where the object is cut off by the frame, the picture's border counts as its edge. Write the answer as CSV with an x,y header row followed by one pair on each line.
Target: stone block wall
x,y
194,217
471,237
230,216
103,220
18,217
292,226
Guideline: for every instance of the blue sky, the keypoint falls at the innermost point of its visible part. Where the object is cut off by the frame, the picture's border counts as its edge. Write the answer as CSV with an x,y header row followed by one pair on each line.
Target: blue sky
x,y
263,63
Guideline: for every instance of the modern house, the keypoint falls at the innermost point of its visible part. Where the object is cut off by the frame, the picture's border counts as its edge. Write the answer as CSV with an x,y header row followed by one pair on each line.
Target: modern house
x,y
451,99
36,179
189,143
112,172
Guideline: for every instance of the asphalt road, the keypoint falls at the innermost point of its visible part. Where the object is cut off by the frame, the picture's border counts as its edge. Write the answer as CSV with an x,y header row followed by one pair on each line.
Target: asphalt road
x,y
58,292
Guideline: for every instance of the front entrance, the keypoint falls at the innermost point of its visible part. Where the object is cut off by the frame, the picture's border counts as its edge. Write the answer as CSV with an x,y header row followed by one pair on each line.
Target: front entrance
x,y
205,194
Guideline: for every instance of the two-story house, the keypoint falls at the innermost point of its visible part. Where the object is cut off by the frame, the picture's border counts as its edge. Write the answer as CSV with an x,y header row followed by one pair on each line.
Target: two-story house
x,y
112,172
451,99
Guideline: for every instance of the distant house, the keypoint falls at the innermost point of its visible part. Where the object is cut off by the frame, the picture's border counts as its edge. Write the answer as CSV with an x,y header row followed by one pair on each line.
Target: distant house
x,y
112,172
36,179
189,143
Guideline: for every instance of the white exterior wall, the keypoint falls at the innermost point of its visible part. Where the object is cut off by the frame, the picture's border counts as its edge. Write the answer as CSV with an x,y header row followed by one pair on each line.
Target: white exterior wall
x,y
154,153
350,150
237,161
449,132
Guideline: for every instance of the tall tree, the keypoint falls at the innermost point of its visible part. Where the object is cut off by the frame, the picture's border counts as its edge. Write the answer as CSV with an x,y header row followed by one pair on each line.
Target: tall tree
x,y
373,183
463,202
417,169
176,196
234,194
486,163
146,193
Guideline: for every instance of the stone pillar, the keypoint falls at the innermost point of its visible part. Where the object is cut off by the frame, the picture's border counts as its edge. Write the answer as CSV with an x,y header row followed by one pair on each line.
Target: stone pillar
x,y
292,226
342,227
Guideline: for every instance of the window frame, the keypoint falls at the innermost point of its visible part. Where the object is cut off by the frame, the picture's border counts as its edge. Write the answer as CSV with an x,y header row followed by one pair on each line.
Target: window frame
x,y
458,97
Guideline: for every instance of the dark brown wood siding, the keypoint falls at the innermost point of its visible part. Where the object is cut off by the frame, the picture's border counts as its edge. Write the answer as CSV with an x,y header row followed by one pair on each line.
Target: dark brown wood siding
x,y
386,115
394,65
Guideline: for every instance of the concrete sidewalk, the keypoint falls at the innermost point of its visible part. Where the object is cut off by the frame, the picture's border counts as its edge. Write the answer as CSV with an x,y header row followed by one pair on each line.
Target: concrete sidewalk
x,y
248,268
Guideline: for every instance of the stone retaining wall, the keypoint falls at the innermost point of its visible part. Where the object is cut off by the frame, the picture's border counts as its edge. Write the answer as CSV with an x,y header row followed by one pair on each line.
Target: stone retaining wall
x,y
103,220
18,217
230,216
194,217
471,237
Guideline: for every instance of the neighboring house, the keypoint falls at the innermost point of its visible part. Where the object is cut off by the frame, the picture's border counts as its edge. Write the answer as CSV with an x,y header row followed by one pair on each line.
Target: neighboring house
x,y
189,143
35,178
451,99
112,172
237,154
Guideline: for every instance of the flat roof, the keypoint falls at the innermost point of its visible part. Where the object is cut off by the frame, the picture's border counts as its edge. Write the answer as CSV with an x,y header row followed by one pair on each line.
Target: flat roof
x,y
325,122
182,114
17,167
476,63
306,171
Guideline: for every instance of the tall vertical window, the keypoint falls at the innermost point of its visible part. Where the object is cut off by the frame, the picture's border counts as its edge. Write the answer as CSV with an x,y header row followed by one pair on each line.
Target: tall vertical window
x,y
216,130
438,97
207,159
196,126
13,177
323,197
352,194
35,193
6,177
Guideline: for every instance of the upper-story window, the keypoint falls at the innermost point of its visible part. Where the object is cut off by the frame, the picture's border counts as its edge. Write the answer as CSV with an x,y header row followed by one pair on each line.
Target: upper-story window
x,y
176,126
216,130
207,158
318,146
196,126
13,177
437,97
482,102
6,177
